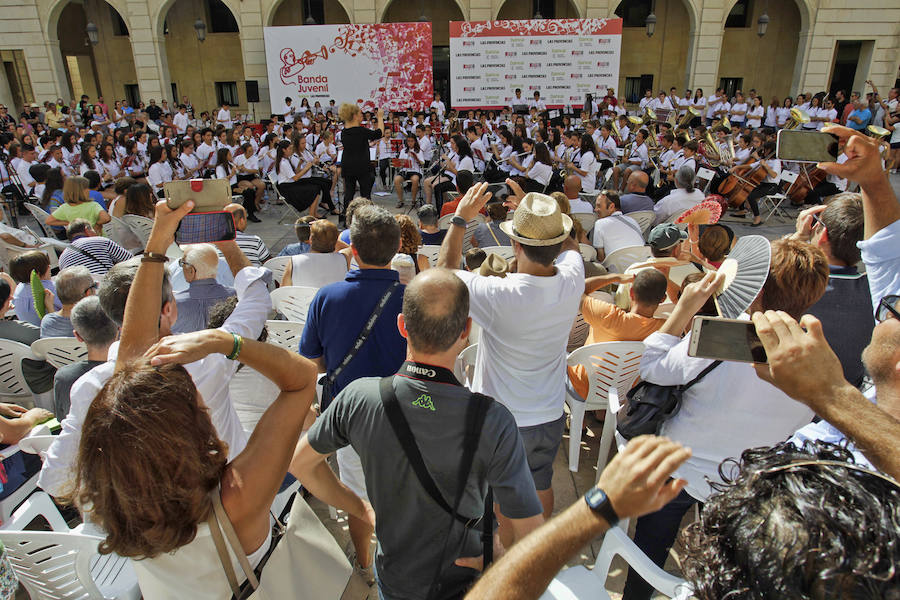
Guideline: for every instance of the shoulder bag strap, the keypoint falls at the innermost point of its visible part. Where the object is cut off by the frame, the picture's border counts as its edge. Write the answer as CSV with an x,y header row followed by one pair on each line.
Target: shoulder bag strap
x,y
493,235
628,222
221,549
702,374
474,422
224,522
90,256
364,334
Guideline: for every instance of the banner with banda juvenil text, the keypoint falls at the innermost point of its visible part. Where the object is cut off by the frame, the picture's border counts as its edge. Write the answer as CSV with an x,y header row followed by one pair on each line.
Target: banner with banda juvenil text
x,y
563,59
386,65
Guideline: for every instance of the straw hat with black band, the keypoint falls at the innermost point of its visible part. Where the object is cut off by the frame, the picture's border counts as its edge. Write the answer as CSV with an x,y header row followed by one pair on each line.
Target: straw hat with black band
x,y
538,221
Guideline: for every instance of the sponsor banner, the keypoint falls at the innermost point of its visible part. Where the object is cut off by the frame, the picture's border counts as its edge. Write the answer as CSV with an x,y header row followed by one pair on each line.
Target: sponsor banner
x,y
563,59
387,65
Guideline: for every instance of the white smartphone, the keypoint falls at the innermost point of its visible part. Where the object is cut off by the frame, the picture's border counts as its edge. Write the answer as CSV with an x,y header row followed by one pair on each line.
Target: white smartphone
x,y
726,339
806,146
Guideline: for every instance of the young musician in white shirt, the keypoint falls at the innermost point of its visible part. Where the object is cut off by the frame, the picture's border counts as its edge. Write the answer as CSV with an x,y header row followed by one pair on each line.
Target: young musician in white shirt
x,y
755,114
738,111
224,116
327,154
539,170
413,160
479,153
661,102
586,169
537,103
438,106
638,159
248,170
772,166
646,100
206,152
814,117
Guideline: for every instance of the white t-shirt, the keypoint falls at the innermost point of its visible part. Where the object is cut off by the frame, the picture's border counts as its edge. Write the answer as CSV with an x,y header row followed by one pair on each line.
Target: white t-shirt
x,y
754,116
739,107
285,173
541,173
251,163
409,164
525,323
224,117
676,202
222,173
159,173
317,270
615,232
588,163
181,121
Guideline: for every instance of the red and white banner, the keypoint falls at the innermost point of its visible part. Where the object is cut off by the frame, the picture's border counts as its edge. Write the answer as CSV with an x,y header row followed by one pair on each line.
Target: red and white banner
x,y
563,59
386,65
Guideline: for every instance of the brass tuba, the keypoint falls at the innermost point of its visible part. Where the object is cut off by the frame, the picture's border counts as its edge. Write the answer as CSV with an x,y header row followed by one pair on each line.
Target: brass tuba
x,y
649,121
798,117
614,130
711,150
691,114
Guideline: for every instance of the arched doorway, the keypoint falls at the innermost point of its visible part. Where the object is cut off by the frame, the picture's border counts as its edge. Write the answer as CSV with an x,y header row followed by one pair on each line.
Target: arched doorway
x,y
440,13
294,12
548,9
655,63
104,69
764,63
208,72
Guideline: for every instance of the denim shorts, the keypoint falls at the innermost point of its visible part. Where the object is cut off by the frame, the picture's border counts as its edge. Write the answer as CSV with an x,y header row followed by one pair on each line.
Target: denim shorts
x,y
541,445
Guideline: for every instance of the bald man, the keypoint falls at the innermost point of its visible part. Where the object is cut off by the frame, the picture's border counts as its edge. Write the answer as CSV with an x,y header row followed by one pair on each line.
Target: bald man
x,y
572,189
200,263
251,245
635,197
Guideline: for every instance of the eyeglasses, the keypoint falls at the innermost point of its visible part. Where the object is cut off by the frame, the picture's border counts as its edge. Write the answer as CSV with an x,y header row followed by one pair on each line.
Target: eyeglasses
x,y
887,308
183,263
93,286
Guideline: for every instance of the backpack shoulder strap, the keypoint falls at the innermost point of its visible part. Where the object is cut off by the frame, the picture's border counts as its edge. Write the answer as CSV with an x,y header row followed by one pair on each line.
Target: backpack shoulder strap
x,y
702,374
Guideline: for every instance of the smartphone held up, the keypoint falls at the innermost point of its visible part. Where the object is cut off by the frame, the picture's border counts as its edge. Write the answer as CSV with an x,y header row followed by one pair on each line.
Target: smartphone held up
x,y
726,339
207,222
806,146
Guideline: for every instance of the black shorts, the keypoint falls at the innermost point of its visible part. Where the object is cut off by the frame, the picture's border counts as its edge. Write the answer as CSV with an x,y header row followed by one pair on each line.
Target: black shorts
x,y
245,177
407,175
895,145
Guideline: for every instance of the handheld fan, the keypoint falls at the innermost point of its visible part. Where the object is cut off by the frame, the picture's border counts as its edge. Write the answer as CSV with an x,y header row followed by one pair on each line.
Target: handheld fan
x,y
745,270
705,213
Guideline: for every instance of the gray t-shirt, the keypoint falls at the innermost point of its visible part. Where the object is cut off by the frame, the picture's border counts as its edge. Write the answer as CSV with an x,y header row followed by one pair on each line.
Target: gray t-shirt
x,y
410,527
55,325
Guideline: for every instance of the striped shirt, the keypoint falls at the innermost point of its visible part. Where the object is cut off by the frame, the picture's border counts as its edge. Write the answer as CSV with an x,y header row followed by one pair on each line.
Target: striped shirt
x,y
98,254
253,247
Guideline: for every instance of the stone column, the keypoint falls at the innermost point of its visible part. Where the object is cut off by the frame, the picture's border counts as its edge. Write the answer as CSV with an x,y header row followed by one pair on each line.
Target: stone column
x,y
253,50
151,64
705,50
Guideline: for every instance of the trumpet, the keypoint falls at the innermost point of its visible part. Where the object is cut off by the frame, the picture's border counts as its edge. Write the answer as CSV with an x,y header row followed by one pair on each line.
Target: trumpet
x,y
798,117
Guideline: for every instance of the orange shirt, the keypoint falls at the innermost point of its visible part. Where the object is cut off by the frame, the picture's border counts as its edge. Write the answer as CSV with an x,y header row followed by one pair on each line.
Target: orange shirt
x,y
609,323
448,208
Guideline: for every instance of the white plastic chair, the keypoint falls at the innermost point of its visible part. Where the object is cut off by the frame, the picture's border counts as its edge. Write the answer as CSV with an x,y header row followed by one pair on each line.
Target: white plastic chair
x,y
8,252
580,583
139,226
505,252
623,258
285,334
118,231
293,301
588,252
644,219
9,504
12,380
587,220
278,265
612,368
578,334
52,565
288,209
40,215
464,361
773,202
39,504
59,351
431,252
444,223
706,176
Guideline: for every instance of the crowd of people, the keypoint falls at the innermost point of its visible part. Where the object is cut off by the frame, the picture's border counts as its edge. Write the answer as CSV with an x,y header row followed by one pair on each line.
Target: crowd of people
x,y
799,452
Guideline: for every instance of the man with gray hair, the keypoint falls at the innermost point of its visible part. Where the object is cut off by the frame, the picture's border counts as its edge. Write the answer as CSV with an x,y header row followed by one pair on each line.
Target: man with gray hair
x,y
683,197
351,332
72,285
88,248
93,327
199,264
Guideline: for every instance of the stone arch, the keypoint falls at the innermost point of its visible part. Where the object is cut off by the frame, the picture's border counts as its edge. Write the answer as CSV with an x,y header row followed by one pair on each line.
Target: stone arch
x,y
430,5
520,9
803,8
334,7
202,71
690,6
771,64
51,23
158,18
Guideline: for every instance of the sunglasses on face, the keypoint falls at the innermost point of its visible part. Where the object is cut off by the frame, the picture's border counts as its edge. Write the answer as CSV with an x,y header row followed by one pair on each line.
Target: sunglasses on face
x,y
887,308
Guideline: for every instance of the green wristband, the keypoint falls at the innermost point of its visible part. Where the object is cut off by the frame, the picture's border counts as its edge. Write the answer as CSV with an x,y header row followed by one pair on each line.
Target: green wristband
x,y
236,348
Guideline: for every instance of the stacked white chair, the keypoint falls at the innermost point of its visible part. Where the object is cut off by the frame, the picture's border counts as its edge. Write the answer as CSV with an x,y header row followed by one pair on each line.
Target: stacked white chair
x,y
623,258
278,265
505,252
612,368
587,220
285,334
588,252
139,226
644,219
431,252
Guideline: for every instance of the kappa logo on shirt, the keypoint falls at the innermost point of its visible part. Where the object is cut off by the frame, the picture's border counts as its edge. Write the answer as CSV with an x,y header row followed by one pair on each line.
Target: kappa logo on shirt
x,y
424,401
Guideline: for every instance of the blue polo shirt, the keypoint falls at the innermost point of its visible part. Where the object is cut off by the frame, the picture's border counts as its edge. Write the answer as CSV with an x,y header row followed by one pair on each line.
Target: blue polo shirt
x,y
337,316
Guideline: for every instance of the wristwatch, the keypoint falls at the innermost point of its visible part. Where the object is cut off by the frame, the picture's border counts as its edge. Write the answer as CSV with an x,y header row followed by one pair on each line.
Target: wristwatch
x,y
600,504
458,221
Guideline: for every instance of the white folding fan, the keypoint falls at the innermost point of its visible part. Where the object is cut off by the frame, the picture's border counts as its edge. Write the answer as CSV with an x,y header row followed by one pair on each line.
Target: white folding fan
x,y
745,270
